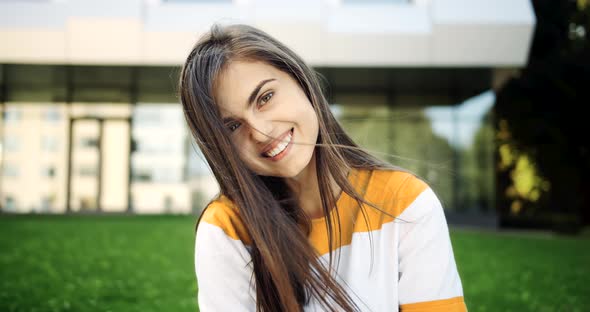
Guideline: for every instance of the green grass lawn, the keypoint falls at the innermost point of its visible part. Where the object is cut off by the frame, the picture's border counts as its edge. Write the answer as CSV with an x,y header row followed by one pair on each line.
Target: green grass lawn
x,y
105,263
145,263
517,272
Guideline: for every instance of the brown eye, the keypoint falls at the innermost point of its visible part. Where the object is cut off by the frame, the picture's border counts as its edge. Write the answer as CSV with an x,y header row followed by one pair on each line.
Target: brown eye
x,y
264,99
233,126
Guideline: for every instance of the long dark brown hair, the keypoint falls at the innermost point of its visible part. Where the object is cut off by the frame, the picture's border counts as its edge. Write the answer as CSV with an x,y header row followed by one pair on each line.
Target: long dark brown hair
x,y
287,269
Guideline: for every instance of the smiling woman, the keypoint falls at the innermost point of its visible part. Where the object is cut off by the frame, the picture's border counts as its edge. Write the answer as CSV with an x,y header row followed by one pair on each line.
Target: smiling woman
x,y
305,220
270,117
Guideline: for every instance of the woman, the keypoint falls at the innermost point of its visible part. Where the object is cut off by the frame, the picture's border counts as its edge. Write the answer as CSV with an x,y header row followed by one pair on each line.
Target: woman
x,y
305,220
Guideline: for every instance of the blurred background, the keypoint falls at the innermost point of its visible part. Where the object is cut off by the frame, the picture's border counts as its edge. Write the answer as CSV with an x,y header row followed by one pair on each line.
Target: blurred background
x,y
101,183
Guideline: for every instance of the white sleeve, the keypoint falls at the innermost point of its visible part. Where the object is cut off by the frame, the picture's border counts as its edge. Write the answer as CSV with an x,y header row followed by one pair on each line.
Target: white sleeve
x,y
223,270
427,271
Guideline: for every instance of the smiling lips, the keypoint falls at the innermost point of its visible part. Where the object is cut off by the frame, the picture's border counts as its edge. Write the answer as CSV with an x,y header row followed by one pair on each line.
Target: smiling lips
x,y
278,145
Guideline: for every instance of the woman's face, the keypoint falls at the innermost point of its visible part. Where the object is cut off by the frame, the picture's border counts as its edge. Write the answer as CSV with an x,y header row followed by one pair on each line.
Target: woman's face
x,y
271,120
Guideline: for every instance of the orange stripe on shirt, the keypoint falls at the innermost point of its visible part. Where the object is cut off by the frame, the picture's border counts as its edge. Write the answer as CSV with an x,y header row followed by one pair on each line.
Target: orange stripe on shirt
x,y
456,304
223,214
390,191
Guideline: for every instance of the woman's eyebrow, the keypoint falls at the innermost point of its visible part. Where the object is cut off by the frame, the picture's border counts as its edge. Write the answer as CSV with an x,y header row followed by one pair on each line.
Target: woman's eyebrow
x,y
226,120
251,98
257,89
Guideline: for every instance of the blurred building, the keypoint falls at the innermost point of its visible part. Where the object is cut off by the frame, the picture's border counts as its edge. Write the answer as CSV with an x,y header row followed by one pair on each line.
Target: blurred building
x,y
91,121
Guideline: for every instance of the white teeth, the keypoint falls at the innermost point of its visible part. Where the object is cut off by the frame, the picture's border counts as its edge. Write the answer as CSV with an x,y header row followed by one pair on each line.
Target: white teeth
x,y
280,147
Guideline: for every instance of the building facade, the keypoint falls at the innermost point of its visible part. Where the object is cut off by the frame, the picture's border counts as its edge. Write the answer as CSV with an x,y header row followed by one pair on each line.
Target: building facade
x,y
91,121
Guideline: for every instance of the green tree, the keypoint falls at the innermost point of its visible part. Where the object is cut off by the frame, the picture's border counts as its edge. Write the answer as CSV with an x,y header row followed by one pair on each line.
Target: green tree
x,y
541,125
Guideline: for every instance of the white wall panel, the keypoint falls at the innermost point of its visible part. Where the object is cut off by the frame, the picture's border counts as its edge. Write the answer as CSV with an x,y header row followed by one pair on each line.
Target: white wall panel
x,y
326,33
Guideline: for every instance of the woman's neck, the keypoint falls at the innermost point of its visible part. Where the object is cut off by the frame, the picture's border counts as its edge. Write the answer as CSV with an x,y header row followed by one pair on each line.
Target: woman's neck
x,y
306,189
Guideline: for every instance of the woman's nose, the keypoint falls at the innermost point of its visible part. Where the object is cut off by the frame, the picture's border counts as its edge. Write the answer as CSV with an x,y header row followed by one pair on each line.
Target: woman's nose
x,y
260,130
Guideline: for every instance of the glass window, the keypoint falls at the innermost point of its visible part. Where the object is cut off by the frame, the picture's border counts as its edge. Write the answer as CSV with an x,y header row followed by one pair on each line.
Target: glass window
x,y
52,114
145,145
10,170
48,172
168,203
11,143
47,203
146,117
161,160
87,203
87,171
10,203
450,146
12,114
88,142
156,174
196,163
49,144
23,168
167,175
141,175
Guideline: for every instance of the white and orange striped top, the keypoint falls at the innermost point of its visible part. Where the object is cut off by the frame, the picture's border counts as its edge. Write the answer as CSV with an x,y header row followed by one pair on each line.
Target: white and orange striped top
x,y
404,263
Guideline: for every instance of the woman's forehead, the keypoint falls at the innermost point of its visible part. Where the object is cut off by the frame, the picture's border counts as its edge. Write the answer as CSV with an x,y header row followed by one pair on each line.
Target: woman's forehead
x,y
239,79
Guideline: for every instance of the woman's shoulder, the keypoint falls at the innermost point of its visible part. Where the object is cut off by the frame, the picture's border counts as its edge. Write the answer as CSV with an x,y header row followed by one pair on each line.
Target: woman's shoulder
x,y
394,189
222,213
397,180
